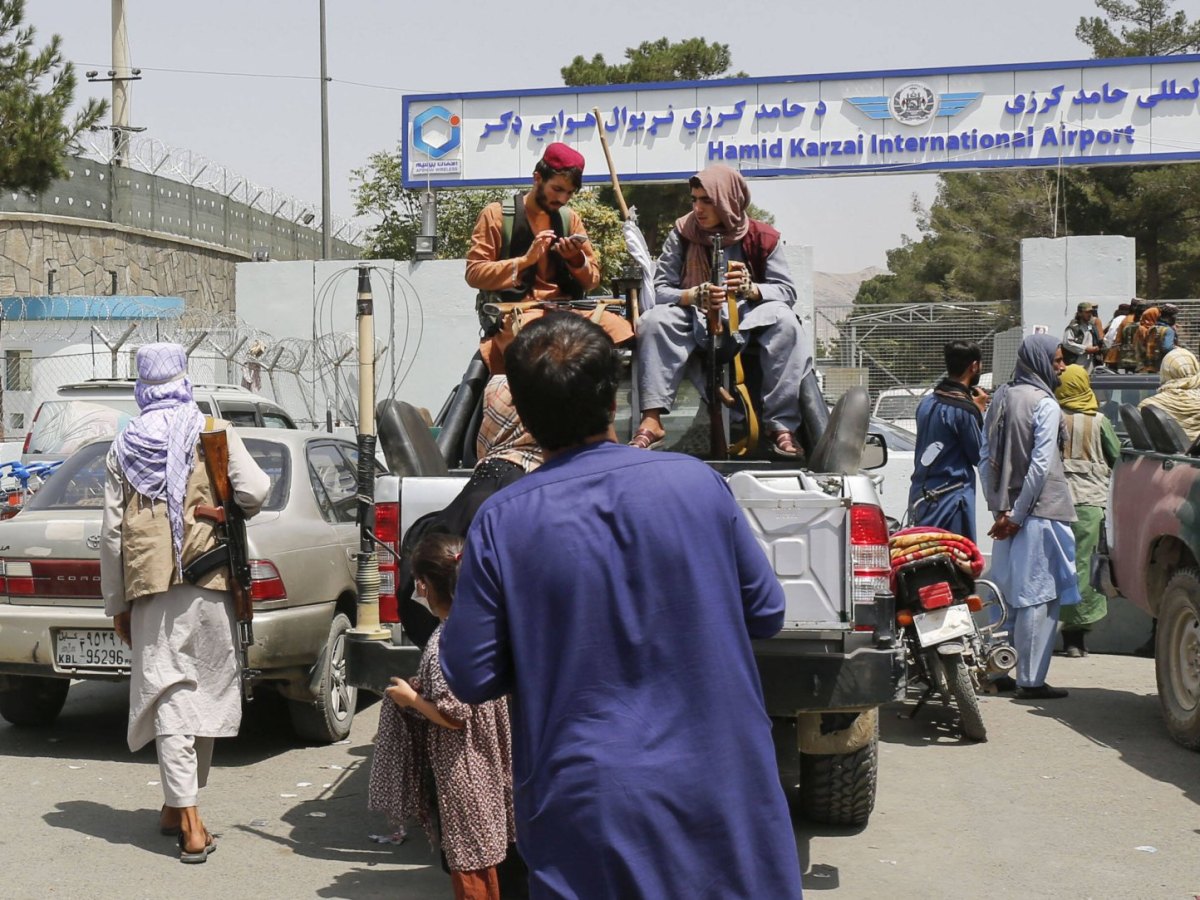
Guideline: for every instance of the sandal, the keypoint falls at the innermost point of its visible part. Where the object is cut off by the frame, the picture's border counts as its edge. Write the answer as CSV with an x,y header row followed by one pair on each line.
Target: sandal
x,y
645,439
783,444
198,856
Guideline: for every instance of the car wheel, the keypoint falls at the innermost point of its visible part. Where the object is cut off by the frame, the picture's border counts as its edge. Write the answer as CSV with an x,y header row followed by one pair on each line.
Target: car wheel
x,y
328,718
32,699
1177,657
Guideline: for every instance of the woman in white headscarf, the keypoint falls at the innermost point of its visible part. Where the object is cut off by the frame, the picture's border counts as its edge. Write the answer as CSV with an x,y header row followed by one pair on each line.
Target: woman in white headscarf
x,y
1179,390
184,687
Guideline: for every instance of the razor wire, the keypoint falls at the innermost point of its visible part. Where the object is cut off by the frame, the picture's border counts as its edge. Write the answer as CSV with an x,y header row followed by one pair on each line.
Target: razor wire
x,y
313,380
154,157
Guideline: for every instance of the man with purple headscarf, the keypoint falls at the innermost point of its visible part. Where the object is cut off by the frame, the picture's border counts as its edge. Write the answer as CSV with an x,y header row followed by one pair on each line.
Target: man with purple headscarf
x,y
1025,484
184,688
757,273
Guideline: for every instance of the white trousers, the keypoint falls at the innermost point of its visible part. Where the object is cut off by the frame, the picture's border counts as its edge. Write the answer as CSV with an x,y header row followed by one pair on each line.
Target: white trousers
x,y
183,763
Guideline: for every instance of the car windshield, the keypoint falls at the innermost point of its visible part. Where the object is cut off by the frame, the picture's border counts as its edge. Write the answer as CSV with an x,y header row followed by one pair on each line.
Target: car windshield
x,y
79,482
63,426
898,406
1112,397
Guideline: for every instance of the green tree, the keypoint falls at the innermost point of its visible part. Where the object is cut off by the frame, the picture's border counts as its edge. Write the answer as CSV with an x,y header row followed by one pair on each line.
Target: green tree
x,y
37,89
379,192
1155,205
969,248
693,59
1143,28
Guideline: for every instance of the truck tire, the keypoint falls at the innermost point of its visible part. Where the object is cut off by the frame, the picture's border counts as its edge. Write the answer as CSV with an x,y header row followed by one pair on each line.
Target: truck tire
x,y
963,691
1177,657
328,718
32,700
839,788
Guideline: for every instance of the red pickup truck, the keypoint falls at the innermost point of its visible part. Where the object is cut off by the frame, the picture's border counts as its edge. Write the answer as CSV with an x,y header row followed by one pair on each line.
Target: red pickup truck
x,y
1155,563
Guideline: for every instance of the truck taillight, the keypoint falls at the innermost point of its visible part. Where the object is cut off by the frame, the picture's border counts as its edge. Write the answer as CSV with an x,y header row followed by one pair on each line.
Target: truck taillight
x,y
387,530
265,583
869,558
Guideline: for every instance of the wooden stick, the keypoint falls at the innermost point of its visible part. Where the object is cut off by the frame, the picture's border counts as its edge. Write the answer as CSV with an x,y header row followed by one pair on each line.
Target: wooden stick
x,y
616,183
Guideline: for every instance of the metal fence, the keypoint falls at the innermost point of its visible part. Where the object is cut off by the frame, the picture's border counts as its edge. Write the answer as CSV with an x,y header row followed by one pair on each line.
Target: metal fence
x,y
156,187
895,350
311,379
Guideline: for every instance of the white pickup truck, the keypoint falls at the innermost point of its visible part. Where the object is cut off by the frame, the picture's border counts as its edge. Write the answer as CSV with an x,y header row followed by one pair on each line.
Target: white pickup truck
x,y
836,660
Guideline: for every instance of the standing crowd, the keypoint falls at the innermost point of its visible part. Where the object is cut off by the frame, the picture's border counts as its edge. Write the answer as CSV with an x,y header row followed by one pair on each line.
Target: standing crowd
x,y
588,691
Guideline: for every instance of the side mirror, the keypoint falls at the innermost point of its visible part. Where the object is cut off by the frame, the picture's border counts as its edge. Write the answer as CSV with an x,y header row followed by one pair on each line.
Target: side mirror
x,y
875,454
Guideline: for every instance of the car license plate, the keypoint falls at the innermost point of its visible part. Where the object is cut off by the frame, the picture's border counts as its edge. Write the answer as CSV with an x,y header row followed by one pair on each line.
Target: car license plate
x,y
943,624
91,648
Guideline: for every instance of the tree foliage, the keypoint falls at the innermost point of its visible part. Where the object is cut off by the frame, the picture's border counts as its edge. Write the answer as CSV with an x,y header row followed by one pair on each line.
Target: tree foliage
x,y
37,89
693,59
379,191
1142,28
969,248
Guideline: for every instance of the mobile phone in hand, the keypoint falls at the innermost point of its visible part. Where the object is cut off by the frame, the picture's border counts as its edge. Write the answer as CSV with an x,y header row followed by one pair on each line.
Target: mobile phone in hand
x,y
577,238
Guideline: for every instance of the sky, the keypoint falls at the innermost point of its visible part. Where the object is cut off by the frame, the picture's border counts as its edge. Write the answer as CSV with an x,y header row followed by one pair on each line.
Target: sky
x,y
261,117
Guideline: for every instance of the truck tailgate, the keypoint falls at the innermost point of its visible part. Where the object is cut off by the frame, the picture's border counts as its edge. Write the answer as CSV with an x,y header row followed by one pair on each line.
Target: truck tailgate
x,y
805,533
425,494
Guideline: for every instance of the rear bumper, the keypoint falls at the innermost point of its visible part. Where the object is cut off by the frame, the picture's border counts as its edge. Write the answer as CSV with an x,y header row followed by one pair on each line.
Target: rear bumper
x,y
286,641
854,672
371,664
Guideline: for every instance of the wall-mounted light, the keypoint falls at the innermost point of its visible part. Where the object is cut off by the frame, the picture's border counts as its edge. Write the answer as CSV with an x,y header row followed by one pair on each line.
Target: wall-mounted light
x,y
308,217
425,246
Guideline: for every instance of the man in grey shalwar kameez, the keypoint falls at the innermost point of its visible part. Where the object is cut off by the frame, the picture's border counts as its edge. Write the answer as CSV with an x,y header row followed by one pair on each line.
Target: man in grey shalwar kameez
x,y
758,274
1033,559
184,687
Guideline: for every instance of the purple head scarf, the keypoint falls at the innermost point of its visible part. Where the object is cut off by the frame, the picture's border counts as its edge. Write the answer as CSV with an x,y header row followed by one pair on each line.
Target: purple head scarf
x,y
157,450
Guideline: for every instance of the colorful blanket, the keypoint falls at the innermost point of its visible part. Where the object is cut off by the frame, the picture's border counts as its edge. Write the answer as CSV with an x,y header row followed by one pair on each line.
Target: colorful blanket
x,y
922,542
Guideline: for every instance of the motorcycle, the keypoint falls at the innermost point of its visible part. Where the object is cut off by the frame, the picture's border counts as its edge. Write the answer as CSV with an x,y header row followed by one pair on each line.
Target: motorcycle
x,y
946,649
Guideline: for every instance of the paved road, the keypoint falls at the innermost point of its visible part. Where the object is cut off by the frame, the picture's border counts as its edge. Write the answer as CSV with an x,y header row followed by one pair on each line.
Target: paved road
x,y
1085,797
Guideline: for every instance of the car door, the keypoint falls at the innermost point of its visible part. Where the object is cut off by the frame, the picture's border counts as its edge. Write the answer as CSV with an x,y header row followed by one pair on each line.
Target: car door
x,y
333,473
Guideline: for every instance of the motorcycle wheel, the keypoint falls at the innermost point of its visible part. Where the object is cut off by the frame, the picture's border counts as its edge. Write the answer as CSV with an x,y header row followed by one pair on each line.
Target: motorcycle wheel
x,y
965,698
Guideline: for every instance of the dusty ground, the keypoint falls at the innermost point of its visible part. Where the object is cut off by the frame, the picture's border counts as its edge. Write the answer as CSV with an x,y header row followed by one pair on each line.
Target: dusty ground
x,y
1084,797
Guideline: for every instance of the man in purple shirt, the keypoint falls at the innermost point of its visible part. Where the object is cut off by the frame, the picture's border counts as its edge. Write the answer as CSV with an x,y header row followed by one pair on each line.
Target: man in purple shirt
x,y
614,594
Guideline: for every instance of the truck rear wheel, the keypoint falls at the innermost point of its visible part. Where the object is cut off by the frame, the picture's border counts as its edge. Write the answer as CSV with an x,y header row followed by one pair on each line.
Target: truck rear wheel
x,y
1177,657
32,699
839,788
329,717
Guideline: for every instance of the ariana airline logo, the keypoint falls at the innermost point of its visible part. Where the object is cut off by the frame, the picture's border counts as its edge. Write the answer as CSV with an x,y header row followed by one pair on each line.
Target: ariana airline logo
x,y
435,147
914,103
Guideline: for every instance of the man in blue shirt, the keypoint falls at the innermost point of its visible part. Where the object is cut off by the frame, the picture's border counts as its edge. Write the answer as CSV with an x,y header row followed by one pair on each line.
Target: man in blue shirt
x,y
949,429
643,762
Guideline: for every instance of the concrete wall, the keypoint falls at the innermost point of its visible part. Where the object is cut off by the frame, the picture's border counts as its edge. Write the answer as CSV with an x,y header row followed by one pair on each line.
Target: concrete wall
x,y
424,313
1058,273
83,252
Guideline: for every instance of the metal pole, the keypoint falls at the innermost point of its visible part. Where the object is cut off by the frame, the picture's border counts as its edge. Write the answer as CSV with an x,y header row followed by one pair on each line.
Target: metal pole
x,y
326,220
366,580
121,76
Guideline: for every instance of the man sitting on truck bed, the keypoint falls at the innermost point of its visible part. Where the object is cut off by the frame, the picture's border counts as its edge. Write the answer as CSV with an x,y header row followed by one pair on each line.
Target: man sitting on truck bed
x,y
643,761
534,248
758,274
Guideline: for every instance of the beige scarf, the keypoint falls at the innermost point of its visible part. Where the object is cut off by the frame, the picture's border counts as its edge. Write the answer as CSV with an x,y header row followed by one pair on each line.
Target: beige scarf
x,y
1179,390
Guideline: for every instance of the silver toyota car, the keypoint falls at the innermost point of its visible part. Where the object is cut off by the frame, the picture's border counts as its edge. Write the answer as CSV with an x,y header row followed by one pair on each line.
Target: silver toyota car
x,y
303,550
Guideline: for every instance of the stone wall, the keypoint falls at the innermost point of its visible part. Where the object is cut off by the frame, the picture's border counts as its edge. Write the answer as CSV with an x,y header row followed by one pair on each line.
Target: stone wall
x,y
84,252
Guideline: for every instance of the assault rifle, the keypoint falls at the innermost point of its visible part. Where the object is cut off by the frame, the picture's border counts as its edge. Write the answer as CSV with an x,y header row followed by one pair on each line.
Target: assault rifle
x,y
231,549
